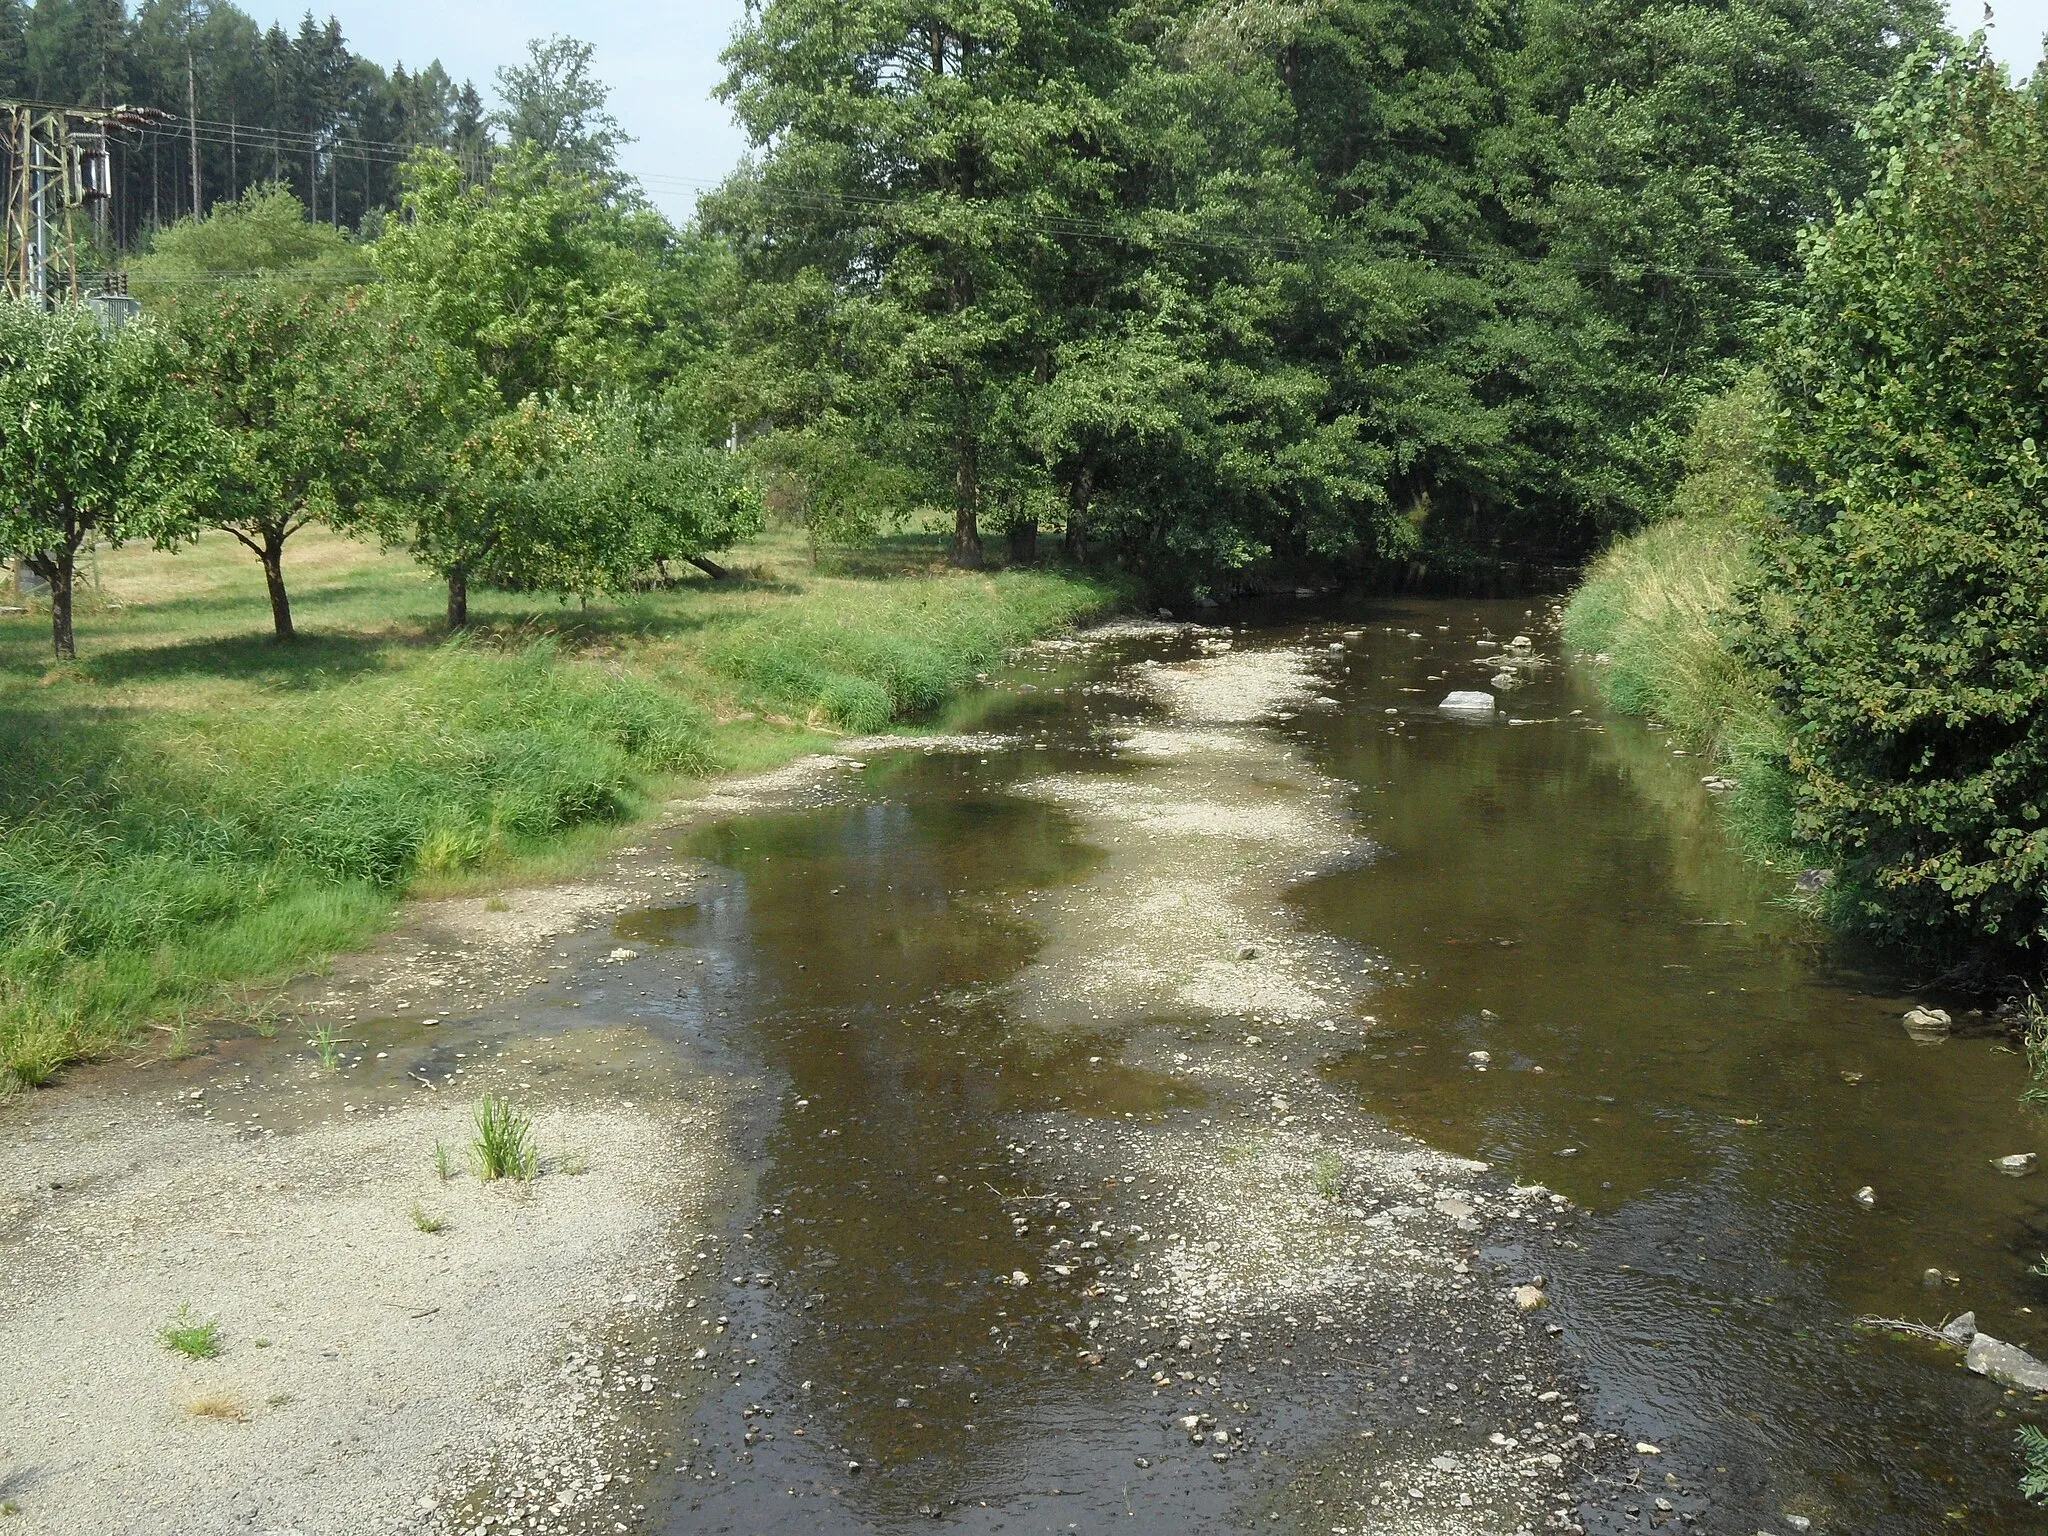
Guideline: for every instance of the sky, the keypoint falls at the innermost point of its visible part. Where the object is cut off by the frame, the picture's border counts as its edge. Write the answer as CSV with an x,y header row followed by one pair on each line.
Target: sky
x,y
660,58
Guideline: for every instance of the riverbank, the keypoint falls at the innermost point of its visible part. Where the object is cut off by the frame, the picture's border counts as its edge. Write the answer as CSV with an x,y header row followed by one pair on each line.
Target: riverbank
x,y
1651,616
194,811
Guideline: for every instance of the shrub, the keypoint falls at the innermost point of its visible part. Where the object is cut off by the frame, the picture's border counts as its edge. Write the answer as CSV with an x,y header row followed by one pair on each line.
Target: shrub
x,y
1901,610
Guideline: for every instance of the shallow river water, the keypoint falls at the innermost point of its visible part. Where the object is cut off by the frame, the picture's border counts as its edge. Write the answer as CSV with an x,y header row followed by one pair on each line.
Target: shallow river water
x,y
1042,997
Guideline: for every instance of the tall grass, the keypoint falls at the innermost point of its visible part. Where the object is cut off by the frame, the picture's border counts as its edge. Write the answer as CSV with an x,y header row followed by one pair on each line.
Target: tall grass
x,y
200,850
865,660
1655,609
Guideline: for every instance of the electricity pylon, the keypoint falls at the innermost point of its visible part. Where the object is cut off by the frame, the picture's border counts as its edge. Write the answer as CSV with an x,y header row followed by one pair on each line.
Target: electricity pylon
x,y
60,165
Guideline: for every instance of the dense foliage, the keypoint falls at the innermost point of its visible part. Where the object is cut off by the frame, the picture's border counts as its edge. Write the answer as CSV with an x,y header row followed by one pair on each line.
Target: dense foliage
x,y
1900,613
1364,283
316,402
96,443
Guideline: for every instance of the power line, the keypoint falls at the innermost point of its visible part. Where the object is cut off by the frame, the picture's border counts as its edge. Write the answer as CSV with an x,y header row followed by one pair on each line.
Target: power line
x,y
393,153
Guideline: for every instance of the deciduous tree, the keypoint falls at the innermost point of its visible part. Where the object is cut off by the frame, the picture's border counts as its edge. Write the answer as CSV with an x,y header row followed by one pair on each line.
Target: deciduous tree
x,y
322,407
98,442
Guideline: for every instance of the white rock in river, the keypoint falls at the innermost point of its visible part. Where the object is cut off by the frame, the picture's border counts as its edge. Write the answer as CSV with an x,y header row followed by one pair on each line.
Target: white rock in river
x,y
2007,1364
1866,1197
1479,1058
1467,703
1528,1298
2019,1165
1928,1024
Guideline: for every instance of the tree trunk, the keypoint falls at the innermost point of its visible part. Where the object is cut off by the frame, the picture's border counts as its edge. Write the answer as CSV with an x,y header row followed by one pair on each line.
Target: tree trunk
x,y
272,555
966,496
1077,517
1024,540
55,567
458,598
709,566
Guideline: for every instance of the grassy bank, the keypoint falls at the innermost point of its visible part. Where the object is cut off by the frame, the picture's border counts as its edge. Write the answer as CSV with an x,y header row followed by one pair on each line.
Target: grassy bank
x,y
1654,609
192,810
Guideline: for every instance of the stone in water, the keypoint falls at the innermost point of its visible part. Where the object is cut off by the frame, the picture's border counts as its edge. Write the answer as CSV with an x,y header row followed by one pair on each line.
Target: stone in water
x,y
2006,1364
1927,1024
1466,702
2017,1166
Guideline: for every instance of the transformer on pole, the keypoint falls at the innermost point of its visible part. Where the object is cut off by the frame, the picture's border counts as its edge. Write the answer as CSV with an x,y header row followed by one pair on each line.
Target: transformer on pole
x,y
59,164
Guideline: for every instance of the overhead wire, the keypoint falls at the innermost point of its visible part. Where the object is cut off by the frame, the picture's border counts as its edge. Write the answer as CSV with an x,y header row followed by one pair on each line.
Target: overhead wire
x,y
1141,229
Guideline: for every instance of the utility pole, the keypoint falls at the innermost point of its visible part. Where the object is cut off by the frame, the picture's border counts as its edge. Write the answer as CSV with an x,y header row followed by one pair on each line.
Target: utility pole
x,y
192,112
58,161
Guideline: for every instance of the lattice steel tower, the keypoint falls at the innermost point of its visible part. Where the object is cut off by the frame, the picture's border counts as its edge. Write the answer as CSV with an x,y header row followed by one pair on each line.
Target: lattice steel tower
x,y
60,170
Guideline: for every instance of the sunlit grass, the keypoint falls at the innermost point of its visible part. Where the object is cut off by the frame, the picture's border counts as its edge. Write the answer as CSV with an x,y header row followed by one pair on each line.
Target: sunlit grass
x,y
1658,606
503,1147
187,1336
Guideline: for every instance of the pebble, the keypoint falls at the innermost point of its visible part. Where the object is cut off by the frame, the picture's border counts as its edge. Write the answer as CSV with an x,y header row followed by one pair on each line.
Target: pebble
x,y
1866,1197
1644,1448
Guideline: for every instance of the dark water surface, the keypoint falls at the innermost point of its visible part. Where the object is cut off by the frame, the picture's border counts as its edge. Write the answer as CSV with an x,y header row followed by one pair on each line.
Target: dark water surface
x,y
1672,1047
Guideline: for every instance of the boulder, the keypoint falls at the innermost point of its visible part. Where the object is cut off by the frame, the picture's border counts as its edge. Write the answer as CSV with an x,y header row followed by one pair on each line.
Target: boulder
x,y
1478,705
1529,1298
1960,1329
2006,1364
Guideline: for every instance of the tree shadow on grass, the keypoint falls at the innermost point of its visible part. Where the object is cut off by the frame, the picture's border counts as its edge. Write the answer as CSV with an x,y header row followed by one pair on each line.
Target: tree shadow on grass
x,y
59,759
311,661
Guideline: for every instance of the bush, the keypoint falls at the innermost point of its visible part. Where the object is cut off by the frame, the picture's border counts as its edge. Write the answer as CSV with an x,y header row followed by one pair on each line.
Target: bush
x,y
1901,610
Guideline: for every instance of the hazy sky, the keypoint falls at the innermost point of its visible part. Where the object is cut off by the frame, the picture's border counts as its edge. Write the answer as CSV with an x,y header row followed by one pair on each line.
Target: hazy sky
x,y
661,59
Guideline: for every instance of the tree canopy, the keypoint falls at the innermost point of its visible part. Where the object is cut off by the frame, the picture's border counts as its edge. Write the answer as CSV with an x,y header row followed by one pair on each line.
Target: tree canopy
x,y
1364,283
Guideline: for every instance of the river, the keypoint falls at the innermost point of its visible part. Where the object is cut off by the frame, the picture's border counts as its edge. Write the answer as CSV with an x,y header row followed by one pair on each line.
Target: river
x,y
1071,982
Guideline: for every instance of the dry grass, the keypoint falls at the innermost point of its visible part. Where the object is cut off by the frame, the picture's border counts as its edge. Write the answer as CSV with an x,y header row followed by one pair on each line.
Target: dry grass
x,y
218,1406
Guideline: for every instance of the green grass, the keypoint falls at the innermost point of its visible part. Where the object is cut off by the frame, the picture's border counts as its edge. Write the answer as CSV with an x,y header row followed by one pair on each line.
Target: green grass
x,y
192,1339
325,1043
1656,607
1328,1176
425,1221
504,1146
193,811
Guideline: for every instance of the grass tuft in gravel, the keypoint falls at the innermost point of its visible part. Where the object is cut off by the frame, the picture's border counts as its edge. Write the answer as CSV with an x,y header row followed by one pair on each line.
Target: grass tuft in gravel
x,y
504,1146
189,1337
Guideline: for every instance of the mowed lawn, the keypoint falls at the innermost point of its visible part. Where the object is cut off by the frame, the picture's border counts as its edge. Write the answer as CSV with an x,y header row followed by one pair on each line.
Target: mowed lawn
x,y
193,809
